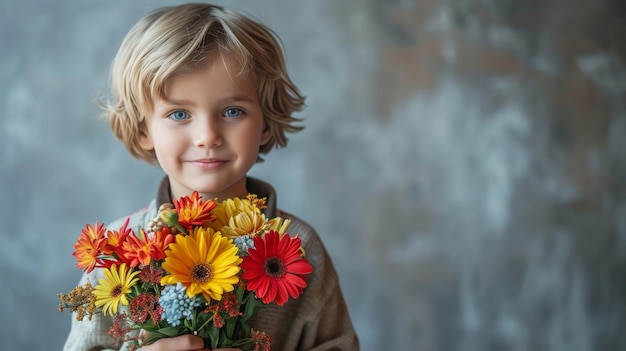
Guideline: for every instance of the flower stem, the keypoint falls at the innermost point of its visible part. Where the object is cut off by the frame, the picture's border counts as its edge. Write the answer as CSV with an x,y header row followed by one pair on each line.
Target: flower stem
x,y
203,325
181,228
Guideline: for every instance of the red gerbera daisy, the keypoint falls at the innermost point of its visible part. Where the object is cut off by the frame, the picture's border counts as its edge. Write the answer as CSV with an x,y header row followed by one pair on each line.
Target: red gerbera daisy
x,y
274,269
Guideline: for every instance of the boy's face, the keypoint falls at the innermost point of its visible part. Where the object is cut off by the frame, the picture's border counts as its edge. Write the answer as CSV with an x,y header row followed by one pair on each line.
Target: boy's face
x,y
206,134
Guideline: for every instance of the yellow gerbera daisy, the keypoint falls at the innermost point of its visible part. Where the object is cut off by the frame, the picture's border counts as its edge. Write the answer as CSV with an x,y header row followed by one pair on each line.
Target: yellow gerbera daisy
x,y
113,289
236,217
244,223
278,224
204,262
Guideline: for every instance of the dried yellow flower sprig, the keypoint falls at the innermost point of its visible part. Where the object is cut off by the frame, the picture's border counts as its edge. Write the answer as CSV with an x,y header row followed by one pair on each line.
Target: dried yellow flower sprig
x,y
80,300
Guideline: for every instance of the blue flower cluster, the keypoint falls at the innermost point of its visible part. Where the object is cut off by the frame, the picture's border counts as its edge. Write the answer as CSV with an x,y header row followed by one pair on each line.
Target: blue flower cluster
x,y
243,243
176,304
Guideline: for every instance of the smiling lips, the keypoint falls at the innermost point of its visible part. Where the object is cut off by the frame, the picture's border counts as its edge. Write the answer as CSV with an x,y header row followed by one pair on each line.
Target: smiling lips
x,y
208,163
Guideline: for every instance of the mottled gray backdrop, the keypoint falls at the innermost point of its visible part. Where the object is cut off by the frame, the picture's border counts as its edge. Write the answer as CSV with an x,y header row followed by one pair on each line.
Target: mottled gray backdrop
x,y
464,162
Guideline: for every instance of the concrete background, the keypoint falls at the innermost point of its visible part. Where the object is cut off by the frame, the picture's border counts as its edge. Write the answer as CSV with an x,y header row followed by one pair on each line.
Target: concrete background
x,y
464,162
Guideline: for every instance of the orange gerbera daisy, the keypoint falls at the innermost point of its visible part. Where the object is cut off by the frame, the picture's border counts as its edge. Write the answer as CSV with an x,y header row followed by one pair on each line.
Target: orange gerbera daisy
x,y
274,269
145,247
89,246
114,246
193,211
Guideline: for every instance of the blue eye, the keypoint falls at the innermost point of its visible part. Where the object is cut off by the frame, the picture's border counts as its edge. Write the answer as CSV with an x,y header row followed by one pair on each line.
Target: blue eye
x,y
178,115
232,112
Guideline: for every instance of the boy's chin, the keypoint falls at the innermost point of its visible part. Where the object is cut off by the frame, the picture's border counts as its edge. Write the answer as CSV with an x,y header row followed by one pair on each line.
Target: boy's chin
x,y
209,190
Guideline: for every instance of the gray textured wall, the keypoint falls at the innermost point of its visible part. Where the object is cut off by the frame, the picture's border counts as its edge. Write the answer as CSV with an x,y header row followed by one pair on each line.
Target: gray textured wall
x,y
464,162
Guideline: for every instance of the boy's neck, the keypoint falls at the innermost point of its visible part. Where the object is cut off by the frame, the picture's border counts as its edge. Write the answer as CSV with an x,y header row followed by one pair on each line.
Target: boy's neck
x,y
239,190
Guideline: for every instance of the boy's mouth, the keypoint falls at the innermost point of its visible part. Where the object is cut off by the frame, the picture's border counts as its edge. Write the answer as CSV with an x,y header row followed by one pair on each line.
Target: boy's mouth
x,y
208,163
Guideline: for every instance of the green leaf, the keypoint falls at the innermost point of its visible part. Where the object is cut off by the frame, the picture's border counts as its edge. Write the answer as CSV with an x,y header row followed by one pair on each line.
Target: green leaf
x,y
250,307
231,323
214,336
247,330
239,291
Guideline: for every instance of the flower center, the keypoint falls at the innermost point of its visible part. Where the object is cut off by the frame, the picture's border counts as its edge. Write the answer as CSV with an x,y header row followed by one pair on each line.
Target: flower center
x,y
274,267
117,291
201,273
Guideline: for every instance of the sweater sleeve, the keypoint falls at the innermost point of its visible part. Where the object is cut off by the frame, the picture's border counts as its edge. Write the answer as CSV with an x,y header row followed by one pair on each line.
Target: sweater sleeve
x,y
330,328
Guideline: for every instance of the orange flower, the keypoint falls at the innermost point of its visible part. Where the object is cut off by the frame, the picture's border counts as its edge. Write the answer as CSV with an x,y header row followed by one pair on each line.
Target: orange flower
x,y
145,247
114,246
89,247
160,242
275,269
193,211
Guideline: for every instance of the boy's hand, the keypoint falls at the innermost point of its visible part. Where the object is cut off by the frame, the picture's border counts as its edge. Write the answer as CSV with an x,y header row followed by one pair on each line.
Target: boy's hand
x,y
180,343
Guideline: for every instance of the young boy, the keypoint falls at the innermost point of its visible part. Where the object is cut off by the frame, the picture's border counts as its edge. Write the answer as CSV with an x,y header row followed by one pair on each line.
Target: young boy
x,y
202,91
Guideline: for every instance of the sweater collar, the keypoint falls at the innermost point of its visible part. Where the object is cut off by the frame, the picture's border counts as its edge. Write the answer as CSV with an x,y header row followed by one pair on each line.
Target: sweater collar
x,y
254,186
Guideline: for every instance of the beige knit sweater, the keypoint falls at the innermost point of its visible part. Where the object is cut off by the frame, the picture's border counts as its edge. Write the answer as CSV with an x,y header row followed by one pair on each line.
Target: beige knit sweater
x,y
317,320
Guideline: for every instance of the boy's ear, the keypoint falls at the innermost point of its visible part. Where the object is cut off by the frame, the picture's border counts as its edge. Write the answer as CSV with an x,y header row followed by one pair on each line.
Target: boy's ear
x,y
266,135
145,141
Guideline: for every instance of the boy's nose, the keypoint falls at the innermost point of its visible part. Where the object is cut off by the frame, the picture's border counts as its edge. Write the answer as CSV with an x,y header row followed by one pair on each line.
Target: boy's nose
x,y
207,134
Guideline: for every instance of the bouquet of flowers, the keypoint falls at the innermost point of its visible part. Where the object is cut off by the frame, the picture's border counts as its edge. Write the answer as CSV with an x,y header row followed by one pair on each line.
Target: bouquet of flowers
x,y
200,267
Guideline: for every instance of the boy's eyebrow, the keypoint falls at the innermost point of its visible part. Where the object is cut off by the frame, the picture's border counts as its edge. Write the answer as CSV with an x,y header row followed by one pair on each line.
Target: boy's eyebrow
x,y
170,101
235,98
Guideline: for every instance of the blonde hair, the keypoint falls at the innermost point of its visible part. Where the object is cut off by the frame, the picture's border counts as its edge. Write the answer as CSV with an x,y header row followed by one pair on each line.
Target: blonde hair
x,y
180,38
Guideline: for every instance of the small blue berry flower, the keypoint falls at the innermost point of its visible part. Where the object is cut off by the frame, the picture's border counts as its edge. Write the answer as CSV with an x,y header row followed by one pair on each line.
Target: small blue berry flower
x,y
176,304
243,243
